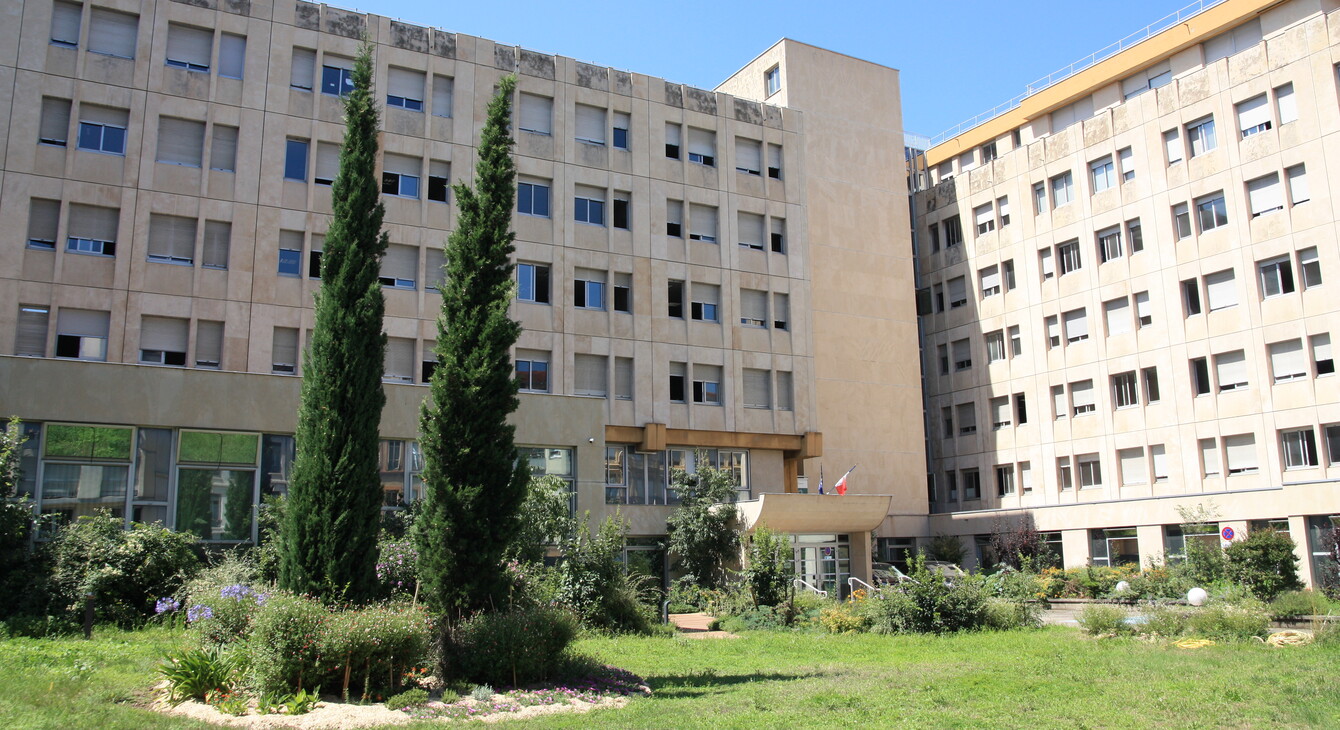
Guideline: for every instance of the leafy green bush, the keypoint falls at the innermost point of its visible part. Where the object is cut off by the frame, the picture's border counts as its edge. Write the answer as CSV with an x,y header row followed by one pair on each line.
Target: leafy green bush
x,y
126,571
946,548
928,603
763,618
1224,621
408,699
192,674
397,565
1292,604
1264,562
1104,619
768,567
369,649
224,617
1165,620
593,583
285,643
844,618
1003,614
525,644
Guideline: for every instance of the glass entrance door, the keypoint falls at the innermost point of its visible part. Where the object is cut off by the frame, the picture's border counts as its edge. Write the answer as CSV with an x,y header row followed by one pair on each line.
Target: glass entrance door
x,y
823,561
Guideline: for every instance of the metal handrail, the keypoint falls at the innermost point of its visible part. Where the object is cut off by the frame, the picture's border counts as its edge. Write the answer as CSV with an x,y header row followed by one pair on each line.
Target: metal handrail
x,y
1062,74
853,580
799,583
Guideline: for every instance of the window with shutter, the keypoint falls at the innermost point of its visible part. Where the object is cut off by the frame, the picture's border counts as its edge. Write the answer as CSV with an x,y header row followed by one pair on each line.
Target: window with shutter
x,y
674,218
962,352
54,128
990,279
536,114
1172,145
172,239
622,210
1118,315
756,385
1045,263
1221,291
703,223
590,124
439,180
223,150
781,310
984,216
1285,104
1082,397
328,163
302,69
208,344
1240,450
958,292
622,125
82,334
1298,192
1132,463
399,360
30,338
590,375
232,55
785,397
43,221
1076,325
702,146
748,156
706,303
92,229
623,292
284,351
290,253
404,89
163,340
434,275
65,22
778,235
1254,116
672,140
337,75
217,242
1000,412
400,266
1060,406
103,129
623,378
1231,370
1287,360
966,413
588,289
1321,354
428,365
588,205
707,385
775,161
1143,310
751,230
400,175
181,141
1309,266
1264,195
189,47
753,308
111,33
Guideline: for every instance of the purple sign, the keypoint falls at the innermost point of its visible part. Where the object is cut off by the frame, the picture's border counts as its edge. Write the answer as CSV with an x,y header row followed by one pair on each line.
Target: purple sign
x,y
1228,534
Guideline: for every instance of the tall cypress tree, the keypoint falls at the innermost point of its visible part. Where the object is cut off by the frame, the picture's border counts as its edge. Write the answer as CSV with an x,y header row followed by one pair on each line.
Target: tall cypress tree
x,y
473,484
329,536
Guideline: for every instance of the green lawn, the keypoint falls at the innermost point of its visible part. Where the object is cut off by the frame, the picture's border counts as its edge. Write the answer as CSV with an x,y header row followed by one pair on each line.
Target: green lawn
x,y
1034,679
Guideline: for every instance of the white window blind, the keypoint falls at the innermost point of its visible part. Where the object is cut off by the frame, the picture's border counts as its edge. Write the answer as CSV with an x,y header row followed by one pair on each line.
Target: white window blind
x,y
1254,115
982,215
990,280
1321,349
112,33
1241,452
1298,192
748,155
65,21
1264,194
93,222
1081,396
181,141
43,222
785,397
673,136
1118,314
223,150
1143,309
1068,115
444,88
165,334
1059,407
958,291
31,334
434,276
328,162
1047,264
536,114
284,350
751,230
189,46
405,83
1054,330
1000,411
1159,455
756,388
703,142
781,310
1231,370
171,239
329,59
703,222
1209,456
104,115
1132,466
754,307
83,323
1172,143
55,124
962,354
775,161
399,365
232,55
1220,290
590,124
401,263
402,165
218,238
1288,108
623,378
302,71
208,344
590,374
1288,360
1076,325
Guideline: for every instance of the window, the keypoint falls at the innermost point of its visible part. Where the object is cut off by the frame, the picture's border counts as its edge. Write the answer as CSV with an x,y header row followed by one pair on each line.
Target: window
x,y
985,218
958,292
775,161
232,55
590,125
43,220
223,149
1062,189
1003,211
65,22
987,152
1150,375
1321,354
1191,297
1200,136
589,205
702,146
92,230
1276,277
707,385
1231,370
30,338
1220,291
772,80
1016,341
750,227
588,289
1090,471
1181,221
1211,212
532,371
1045,264
1151,78
181,142
1253,116
962,354
1135,236
103,129
1143,309
400,176
1264,195
1333,444
532,283
337,75
398,364
623,292
1039,198
781,310
1232,41
675,298
966,415
622,205
951,486
1005,480
284,351
1126,161
953,229
990,281
1240,450
1285,104
327,163
748,156
536,114
189,48
54,127
434,270
1172,145
1102,174
532,198
1200,376
1124,392
753,308
1053,325
113,34
404,89
995,346
163,340
1064,476
674,218
623,378
943,351
778,235
1310,267
1076,326
706,303
622,124
290,253
1109,244
1132,464
439,177
947,420
672,140
400,267
757,387
938,296
1298,192
1082,398
1000,412
1300,448
703,223
208,344
1287,360
785,395
1068,255
1159,456
295,159
1020,409
171,239
590,375
678,382
972,484
302,70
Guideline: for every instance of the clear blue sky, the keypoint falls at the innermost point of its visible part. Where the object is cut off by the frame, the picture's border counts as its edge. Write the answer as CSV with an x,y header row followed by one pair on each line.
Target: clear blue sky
x,y
958,58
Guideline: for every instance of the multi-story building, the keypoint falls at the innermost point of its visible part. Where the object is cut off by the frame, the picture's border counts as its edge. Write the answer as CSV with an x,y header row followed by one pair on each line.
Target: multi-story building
x,y
1129,294
686,262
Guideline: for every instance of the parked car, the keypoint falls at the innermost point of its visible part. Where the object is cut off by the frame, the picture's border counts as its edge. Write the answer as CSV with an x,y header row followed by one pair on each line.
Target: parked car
x,y
884,574
949,571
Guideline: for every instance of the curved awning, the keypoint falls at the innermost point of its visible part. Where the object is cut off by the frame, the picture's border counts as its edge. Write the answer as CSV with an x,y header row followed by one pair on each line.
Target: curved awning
x,y
799,513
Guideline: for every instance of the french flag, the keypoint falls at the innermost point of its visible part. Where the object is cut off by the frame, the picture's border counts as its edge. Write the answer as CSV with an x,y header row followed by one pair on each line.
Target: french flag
x,y
841,486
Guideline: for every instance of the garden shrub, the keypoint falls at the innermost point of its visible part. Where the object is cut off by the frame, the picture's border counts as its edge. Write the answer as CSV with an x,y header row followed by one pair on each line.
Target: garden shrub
x,y
408,699
126,570
1004,614
928,603
845,617
1104,619
686,596
1292,604
1165,620
285,644
1264,562
593,583
1225,621
508,648
397,565
946,548
762,618
224,617
768,567
368,650
193,674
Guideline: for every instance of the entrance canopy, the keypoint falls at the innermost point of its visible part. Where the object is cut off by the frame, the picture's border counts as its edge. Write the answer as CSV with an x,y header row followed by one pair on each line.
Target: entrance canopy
x,y
808,513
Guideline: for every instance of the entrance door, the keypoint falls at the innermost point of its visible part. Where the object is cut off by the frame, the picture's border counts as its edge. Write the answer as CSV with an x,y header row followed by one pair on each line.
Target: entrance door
x,y
823,561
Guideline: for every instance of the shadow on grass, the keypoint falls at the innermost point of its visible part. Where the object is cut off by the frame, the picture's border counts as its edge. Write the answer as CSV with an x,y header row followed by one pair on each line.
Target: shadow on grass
x,y
701,683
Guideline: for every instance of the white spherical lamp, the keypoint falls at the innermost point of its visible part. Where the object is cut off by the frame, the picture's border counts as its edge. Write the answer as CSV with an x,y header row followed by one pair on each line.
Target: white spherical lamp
x,y
1123,586
1197,596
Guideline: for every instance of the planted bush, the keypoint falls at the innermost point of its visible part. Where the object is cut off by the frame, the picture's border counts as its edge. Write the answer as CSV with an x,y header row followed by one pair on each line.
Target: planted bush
x,y
192,674
397,564
1264,562
927,603
523,645
369,650
1104,619
1228,621
1293,604
285,644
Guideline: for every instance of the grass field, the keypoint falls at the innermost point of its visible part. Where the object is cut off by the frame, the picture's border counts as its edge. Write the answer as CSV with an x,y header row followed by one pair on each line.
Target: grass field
x,y
1029,679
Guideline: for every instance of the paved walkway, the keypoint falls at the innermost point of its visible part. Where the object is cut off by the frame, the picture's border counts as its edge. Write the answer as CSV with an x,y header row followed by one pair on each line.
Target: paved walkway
x,y
695,626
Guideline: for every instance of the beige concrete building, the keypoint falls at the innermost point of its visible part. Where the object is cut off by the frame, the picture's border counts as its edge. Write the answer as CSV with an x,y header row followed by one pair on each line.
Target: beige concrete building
x,y
1129,294
686,260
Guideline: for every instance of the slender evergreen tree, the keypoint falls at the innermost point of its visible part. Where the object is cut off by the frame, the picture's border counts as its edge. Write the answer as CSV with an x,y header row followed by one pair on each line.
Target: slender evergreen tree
x,y
473,483
329,535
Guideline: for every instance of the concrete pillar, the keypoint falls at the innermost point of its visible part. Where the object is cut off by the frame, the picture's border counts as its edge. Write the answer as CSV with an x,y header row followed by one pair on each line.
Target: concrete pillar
x,y
1298,532
1075,548
1151,544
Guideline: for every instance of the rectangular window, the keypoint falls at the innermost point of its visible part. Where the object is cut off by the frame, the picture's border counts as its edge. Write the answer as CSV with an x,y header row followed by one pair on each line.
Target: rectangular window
x,y
1300,448
1276,277
623,292
1016,341
1150,375
623,378
1068,254
1310,267
672,140
1221,291
778,235
1109,244
92,229
189,48
532,283
1003,211
966,414
1000,412
398,364
1298,192
1287,360
434,271
400,267
995,346
223,149
678,382
404,89
702,146
622,125
707,384
987,152
958,292
1211,212
532,370
1082,398
232,55
943,352
302,70
163,340
1064,476
401,175
675,298
674,218
113,34
748,156
785,395
1005,480
1333,444
1231,370
750,229
327,163
1321,354
1053,325
181,142
972,484
772,80
65,22
1102,174
775,161
1172,145
990,281
1020,408
703,223
103,129
295,159
1253,116
706,303
1045,264
951,486
1200,376
172,239
1126,163
622,207
284,351
1265,195
1062,189
1143,310
1039,199
1240,450
532,198
962,354
1181,221
1285,104
589,205
1090,471
756,386
536,114
781,310
30,338
337,75
1076,325
43,221
1135,235
953,229
54,127
1191,297
590,375
1200,136
1209,457
439,178
1124,391
753,308
1117,315
1133,467
984,216
588,289
590,125
208,344
1158,456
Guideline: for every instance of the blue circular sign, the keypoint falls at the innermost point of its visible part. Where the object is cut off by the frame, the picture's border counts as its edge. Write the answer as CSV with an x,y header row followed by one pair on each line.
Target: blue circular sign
x,y
1227,533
